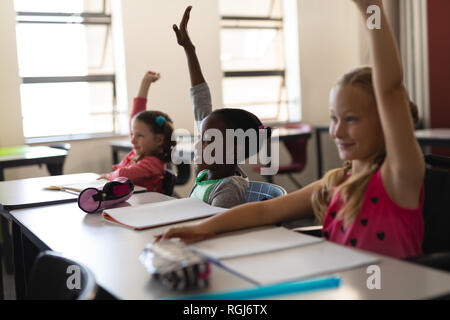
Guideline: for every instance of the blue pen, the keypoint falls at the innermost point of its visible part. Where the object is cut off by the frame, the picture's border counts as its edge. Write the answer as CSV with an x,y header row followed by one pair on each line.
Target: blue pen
x,y
271,290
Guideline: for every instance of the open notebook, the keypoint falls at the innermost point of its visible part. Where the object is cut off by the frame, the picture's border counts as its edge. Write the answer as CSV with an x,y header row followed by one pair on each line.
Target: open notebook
x,y
161,213
298,262
276,254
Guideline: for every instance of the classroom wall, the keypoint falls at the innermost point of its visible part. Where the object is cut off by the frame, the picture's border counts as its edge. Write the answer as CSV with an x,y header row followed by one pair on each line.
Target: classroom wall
x,y
10,115
329,37
330,44
150,44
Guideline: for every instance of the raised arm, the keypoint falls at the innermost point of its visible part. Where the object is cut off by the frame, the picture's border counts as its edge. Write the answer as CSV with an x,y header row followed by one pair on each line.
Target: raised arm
x,y
140,102
195,72
146,81
403,168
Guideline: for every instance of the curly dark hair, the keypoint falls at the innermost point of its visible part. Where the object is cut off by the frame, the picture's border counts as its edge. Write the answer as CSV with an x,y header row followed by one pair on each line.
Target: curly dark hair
x,y
240,119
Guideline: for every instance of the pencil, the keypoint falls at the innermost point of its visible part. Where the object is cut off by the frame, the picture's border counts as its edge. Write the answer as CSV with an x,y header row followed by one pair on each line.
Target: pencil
x,y
328,282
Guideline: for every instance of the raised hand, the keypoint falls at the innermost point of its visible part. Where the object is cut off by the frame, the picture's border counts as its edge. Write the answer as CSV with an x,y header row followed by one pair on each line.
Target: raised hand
x,y
151,77
147,80
187,234
181,32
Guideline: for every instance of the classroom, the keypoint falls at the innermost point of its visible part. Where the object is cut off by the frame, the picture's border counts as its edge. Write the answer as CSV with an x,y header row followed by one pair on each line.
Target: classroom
x,y
77,76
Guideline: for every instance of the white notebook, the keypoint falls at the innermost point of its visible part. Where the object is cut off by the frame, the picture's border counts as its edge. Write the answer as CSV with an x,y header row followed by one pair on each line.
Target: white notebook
x,y
252,242
297,263
161,213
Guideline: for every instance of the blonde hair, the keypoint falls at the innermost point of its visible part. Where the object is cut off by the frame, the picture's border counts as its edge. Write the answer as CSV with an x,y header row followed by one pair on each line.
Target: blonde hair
x,y
351,190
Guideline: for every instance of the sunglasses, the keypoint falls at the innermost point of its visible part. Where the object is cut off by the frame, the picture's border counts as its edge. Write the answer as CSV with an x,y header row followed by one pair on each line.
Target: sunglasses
x,y
92,200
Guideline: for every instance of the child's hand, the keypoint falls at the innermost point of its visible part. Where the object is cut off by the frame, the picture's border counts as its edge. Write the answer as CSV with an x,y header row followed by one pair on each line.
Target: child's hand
x,y
103,176
187,234
181,33
147,80
151,77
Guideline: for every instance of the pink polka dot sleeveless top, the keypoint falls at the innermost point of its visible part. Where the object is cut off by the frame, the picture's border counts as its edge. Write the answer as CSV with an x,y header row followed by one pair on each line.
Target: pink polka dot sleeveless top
x,y
382,226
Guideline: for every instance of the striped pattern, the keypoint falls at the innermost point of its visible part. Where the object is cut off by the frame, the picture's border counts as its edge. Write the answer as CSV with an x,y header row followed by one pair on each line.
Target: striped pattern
x,y
259,191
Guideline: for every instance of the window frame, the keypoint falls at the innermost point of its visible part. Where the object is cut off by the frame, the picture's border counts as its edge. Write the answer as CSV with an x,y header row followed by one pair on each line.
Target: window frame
x,y
258,73
84,18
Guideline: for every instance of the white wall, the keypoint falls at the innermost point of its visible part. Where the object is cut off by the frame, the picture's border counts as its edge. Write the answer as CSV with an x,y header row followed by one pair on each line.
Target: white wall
x,y
330,44
150,44
10,114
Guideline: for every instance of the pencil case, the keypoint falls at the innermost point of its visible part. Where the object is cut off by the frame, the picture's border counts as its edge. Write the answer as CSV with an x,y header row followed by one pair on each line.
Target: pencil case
x,y
175,265
91,200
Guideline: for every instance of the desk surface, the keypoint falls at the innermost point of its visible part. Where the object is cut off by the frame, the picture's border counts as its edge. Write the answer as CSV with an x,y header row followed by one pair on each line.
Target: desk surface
x,y
109,250
112,251
29,192
23,193
29,153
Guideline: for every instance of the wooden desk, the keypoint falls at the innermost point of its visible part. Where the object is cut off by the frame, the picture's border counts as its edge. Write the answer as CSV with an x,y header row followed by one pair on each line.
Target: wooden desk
x,y
25,193
25,156
433,137
112,251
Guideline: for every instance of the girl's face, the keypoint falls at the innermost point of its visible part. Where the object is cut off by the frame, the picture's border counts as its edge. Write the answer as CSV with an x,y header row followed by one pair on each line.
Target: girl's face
x,y
144,141
355,125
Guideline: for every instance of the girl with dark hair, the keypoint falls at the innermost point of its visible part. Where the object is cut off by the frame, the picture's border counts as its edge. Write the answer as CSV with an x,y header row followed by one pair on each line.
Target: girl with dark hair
x,y
150,133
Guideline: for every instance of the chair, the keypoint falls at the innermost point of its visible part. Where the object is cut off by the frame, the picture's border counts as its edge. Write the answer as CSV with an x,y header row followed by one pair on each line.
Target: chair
x,y
436,215
260,191
183,173
297,149
169,182
55,169
53,277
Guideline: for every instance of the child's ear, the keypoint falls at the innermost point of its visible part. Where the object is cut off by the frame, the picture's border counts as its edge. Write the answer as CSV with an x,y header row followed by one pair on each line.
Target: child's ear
x,y
159,139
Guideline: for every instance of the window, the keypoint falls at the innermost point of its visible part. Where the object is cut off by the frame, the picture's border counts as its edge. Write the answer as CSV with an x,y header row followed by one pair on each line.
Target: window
x,y
67,69
253,59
